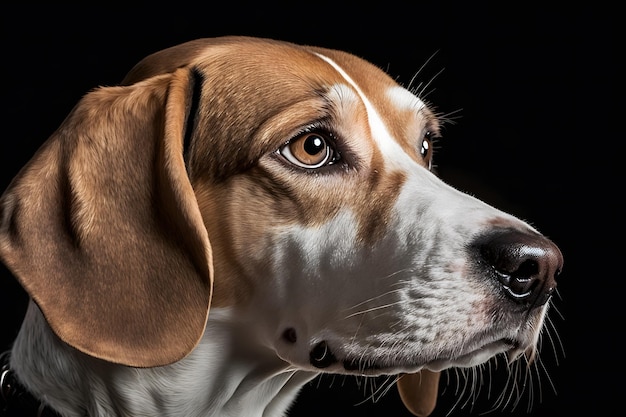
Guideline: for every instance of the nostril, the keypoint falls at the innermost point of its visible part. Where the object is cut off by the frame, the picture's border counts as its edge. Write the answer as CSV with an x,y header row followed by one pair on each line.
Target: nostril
x,y
527,268
525,264
520,283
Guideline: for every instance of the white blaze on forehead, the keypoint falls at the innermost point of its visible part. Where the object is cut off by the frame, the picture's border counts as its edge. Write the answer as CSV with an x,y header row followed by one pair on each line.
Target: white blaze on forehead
x,y
392,152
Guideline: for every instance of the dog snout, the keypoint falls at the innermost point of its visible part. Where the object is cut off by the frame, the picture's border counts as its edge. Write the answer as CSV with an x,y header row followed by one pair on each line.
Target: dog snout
x,y
525,264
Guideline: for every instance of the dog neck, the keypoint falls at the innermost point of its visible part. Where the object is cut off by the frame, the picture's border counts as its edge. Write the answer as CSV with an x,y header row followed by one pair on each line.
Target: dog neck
x,y
214,380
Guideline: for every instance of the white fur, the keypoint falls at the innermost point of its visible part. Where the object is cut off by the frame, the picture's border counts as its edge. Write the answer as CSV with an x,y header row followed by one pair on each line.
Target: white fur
x,y
219,378
395,157
403,99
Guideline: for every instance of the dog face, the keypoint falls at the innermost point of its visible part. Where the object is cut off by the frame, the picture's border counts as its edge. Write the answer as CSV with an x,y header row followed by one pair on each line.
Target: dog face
x,y
334,228
291,185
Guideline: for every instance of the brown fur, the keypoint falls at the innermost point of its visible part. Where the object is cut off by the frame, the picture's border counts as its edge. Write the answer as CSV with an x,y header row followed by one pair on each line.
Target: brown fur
x,y
109,196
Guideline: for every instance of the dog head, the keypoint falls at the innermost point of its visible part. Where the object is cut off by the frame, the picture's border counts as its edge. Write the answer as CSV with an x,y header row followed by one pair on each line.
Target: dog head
x,y
291,184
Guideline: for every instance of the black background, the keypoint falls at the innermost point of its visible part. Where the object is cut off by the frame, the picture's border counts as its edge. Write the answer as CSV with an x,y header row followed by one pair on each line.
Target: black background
x,y
533,90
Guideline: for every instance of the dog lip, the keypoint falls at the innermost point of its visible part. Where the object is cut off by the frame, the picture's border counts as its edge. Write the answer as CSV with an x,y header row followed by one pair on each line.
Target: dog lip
x,y
512,347
362,365
371,368
368,366
477,356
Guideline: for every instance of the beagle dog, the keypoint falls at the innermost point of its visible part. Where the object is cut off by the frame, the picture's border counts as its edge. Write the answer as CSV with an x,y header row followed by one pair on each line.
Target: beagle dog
x,y
241,215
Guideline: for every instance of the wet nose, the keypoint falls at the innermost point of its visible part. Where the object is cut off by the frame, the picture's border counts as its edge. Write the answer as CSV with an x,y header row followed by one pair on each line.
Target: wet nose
x,y
526,264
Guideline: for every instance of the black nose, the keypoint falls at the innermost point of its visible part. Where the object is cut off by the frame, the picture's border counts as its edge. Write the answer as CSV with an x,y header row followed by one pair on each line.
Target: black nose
x,y
525,264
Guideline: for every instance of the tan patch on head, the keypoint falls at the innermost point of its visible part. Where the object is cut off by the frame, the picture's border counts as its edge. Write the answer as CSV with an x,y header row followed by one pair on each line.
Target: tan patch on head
x,y
375,206
253,98
247,192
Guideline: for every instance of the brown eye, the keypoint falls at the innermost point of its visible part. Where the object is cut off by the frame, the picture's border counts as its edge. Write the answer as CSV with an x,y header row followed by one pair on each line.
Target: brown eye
x,y
310,150
426,149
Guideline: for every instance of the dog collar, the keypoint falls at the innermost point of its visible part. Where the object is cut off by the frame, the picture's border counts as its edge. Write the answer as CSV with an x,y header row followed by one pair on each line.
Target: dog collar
x,y
15,399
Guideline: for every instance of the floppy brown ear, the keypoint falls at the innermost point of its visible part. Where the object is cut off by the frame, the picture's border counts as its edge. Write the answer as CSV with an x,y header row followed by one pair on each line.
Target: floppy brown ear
x,y
103,230
419,391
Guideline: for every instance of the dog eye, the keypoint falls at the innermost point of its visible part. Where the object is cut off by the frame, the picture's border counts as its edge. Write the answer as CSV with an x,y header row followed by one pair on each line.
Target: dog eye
x,y
309,150
426,149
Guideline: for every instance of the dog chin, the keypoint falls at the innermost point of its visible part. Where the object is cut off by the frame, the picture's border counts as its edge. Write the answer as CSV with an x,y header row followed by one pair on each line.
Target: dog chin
x,y
476,357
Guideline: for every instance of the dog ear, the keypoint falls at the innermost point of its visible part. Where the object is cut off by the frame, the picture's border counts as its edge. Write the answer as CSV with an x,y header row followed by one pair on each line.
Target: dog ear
x,y
419,391
103,230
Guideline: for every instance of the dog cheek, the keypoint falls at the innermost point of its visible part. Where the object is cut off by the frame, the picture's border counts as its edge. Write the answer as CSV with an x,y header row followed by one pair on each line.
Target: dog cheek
x,y
375,207
241,218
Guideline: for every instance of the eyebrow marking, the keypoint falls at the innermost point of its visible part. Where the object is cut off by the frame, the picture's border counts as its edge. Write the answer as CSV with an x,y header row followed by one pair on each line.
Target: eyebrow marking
x,y
404,99
392,151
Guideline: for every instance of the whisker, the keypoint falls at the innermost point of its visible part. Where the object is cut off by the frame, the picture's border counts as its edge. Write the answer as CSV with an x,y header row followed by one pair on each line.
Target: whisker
x,y
518,386
554,306
547,375
463,388
470,387
409,86
421,93
449,117
532,389
379,391
556,342
369,310
369,300
385,294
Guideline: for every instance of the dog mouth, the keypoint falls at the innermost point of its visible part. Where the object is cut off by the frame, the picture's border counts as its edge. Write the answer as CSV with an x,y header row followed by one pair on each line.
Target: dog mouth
x,y
511,347
322,356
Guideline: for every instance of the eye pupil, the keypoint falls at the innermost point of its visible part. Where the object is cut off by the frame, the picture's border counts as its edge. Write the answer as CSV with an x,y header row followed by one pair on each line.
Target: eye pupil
x,y
425,147
314,145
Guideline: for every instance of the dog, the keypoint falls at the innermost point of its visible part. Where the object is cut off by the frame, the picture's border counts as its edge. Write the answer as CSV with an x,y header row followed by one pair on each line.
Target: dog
x,y
240,215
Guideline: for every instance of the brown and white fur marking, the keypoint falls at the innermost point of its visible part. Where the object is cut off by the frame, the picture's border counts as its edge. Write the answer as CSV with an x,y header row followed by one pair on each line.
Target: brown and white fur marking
x,y
290,188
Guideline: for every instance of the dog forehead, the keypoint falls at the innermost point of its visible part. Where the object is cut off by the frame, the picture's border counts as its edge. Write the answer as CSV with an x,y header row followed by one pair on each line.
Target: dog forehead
x,y
236,57
277,64
396,116
258,94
